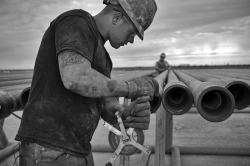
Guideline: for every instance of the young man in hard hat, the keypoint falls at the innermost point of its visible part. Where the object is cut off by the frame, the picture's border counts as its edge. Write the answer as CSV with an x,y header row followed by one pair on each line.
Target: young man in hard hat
x,y
161,65
71,86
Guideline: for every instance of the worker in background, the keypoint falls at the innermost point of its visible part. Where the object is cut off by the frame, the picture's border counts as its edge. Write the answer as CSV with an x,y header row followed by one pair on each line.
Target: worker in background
x,y
71,86
161,65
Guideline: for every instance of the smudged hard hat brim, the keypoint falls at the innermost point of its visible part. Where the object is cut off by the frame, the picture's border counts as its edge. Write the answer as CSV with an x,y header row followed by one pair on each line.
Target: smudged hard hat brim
x,y
141,13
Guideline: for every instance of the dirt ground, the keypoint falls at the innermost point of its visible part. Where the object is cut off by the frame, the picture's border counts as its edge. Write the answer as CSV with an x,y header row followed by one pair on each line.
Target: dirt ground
x,y
188,130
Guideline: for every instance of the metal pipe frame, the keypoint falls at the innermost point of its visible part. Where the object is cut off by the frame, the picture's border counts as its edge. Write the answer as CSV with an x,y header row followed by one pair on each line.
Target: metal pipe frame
x,y
175,156
189,150
9,150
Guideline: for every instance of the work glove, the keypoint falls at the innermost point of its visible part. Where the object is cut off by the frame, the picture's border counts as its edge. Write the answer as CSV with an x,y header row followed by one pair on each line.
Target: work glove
x,y
145,86
137,114
142,86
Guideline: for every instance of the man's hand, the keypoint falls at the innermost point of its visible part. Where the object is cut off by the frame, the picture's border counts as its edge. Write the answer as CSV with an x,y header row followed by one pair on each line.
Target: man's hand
x,y
162,70
137,114
143,86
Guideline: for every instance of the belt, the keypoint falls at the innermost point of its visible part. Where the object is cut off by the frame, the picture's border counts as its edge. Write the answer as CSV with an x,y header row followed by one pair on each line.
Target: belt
x,y
35,149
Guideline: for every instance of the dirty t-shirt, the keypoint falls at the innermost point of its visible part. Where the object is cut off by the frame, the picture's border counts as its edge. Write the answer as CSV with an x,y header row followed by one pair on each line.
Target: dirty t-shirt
x,y
54,116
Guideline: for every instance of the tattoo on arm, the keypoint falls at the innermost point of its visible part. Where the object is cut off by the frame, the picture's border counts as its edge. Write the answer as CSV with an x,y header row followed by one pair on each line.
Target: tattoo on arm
x,y
69,58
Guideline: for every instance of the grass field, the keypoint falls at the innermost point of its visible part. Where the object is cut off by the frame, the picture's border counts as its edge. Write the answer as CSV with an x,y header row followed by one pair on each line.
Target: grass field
x,y
188,130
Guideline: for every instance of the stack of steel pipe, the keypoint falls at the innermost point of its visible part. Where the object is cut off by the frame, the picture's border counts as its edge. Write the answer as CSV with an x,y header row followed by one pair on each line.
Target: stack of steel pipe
x,y
155,103
176,98
214,96
235,76
214,102
9,102
239,88
12,101
241,76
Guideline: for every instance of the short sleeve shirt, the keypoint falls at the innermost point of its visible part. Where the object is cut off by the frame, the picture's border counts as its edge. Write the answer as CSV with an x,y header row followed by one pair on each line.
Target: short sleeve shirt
x,y
161,65
54,116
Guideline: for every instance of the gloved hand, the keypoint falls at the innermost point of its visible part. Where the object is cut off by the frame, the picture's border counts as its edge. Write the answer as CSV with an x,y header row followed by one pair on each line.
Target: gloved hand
x,y
137,114
143,86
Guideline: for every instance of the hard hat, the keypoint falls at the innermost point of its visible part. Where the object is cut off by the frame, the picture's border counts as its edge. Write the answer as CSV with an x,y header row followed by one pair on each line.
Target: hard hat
x,y
140,12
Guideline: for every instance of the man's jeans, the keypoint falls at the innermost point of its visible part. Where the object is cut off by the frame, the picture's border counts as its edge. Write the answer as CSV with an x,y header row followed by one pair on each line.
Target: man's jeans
x,y
32,154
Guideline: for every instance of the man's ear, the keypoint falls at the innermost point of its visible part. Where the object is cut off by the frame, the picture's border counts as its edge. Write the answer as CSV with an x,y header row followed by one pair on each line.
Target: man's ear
x,y
117,18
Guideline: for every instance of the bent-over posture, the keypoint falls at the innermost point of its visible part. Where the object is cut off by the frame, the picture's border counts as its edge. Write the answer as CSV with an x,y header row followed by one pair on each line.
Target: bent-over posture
x,y
71,86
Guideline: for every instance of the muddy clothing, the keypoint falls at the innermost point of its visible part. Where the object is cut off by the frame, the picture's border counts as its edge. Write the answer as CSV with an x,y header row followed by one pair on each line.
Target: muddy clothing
x,y
54,116
161,66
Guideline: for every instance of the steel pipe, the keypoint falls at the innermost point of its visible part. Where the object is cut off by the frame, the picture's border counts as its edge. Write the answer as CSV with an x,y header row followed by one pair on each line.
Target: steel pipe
x,y
184,150
177,99
228,151
239,89
187,150
24,96
4,142
9,150
14,82
231,75
9,102
156,102
226,77
213,102
175,156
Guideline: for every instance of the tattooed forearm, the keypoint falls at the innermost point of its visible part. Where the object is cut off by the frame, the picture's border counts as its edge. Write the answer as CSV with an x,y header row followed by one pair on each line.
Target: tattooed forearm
x,y
78,76
68,58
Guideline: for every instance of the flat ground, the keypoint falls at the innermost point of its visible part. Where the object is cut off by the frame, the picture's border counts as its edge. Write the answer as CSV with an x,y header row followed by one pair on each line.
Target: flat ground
x,y
188,130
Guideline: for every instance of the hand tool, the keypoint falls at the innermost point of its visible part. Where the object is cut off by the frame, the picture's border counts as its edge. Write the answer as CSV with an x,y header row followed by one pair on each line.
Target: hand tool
x,y
126,142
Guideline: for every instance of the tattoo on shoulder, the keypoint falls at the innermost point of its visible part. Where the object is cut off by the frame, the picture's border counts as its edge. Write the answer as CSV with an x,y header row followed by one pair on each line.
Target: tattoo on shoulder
x,y
69,58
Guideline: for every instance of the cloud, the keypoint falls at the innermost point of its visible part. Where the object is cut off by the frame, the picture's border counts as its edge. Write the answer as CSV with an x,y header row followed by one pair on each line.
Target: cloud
x,y
180,27
178,15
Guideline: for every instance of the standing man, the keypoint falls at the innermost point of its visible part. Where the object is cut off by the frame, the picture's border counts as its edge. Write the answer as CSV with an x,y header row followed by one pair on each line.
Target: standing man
x,y
161,65
71,86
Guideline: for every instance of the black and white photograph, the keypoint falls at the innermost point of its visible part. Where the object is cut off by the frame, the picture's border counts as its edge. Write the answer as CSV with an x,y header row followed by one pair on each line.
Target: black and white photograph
x,y
124,82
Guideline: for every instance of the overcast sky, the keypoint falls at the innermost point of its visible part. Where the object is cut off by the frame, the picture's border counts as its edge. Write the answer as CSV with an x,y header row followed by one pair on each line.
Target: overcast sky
x,y
194,32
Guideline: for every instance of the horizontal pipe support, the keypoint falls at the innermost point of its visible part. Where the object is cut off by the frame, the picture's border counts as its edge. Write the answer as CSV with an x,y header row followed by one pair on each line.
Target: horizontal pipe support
x,y
186,150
